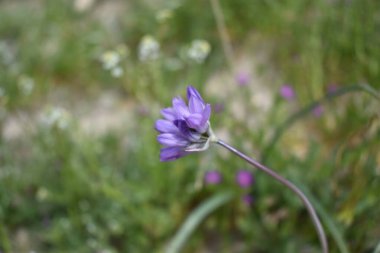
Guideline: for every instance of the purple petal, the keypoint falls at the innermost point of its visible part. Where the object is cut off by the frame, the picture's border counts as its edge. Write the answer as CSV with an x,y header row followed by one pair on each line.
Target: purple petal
x,y
180,107
192,92
172,140
165,126
171,153
196,105
206,114
186,131
194,121
168,113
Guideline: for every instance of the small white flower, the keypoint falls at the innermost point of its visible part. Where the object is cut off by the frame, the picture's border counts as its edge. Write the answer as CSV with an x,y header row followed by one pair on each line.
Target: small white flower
x,y
56,117
110,59
26,85
149,48
122,50
83,5
42,194
117,72
164,15
199,50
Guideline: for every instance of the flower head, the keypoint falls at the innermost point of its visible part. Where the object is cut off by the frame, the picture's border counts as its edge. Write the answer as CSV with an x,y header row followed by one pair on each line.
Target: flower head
x,y
213,177
185,127
149,49
56,117
199,50
332,88
110,59
219,107
244,178
248,199
242,78
318,111
287,92
164,15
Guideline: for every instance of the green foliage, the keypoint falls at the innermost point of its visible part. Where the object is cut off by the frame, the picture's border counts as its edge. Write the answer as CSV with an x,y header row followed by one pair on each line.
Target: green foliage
x,y
65,187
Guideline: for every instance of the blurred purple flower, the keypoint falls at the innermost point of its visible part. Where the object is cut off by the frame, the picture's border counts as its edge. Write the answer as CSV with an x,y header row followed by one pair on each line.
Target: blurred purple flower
x,y
287,92
242,78
244,178
217,108
318,111
332,88
213,177
185,128
248,199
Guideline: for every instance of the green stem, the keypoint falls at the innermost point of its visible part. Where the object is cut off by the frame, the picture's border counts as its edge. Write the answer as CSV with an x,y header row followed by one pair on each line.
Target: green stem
x,y
291,186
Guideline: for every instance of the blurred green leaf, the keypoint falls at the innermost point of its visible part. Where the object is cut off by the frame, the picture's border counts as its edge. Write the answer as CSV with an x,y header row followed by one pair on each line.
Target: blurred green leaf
x,y
195,218
281,129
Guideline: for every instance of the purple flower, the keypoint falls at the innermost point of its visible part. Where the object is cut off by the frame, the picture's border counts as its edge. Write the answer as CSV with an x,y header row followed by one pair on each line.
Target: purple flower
x,y
244,178
248,199
213,177
217,108
332,88
185,128
318,111
242,78
287,92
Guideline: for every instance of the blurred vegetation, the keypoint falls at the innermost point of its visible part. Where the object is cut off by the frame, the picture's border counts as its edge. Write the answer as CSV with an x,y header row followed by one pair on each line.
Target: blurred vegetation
x,y
63,189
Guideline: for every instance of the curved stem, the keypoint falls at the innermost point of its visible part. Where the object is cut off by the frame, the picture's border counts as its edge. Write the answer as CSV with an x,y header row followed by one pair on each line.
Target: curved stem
x,y
291,186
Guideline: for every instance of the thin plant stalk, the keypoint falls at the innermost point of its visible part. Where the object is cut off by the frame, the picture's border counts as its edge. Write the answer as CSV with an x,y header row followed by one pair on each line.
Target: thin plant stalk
x,y
223,34
288,184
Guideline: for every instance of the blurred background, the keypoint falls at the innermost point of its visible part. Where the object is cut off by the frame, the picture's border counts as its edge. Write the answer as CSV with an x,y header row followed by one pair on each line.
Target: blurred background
x,y
82,83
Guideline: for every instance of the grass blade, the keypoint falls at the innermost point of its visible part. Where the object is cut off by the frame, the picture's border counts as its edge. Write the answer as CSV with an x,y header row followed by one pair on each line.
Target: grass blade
x,y
195,218
377,250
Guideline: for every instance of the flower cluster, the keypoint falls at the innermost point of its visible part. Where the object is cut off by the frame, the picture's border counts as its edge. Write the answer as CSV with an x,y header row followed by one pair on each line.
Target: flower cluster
x,y
287,92
164,15
112,59
149,49
56,117
244,178
212,177
199,50
242,78
185,128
